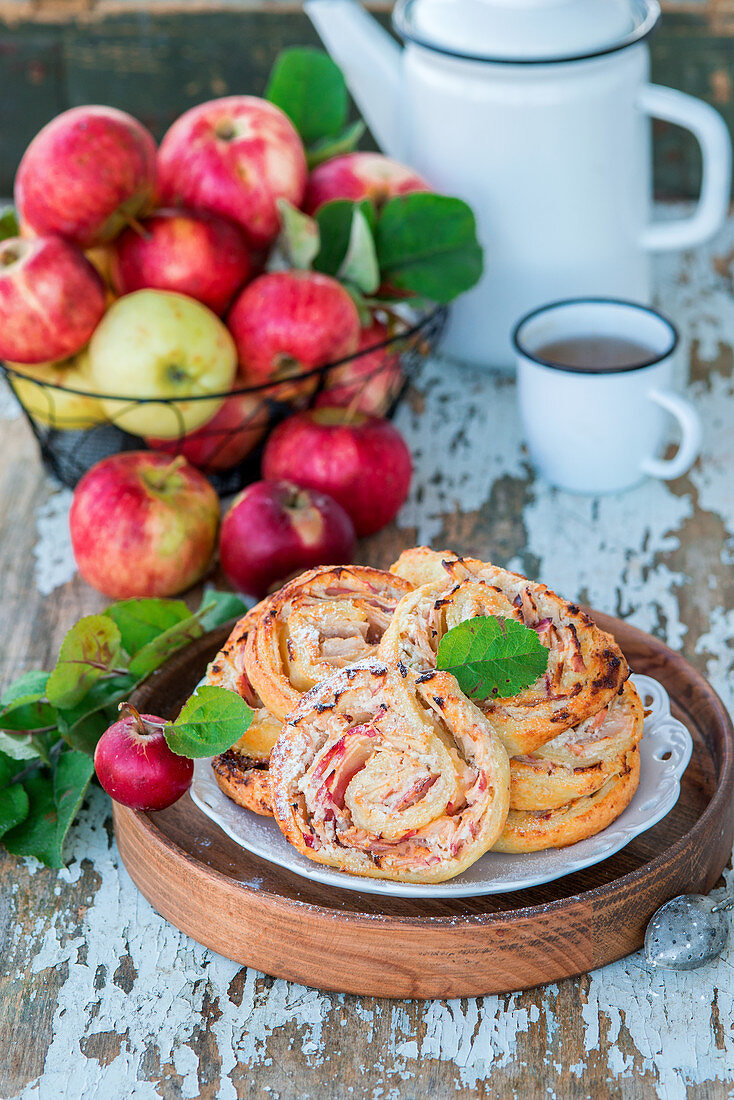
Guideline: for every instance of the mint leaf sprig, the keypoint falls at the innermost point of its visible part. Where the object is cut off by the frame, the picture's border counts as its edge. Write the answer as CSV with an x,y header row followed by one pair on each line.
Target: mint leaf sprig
x,y
492,657
50,722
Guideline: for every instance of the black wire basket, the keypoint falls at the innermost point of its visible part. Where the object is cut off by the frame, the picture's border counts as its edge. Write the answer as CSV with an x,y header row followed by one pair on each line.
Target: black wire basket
x,y
76,428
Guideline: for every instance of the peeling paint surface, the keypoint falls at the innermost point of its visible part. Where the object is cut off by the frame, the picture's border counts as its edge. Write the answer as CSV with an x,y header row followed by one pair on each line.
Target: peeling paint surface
x,y
103,998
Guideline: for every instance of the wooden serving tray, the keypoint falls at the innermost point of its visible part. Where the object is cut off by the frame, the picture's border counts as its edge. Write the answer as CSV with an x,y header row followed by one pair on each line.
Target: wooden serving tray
x,y
263,916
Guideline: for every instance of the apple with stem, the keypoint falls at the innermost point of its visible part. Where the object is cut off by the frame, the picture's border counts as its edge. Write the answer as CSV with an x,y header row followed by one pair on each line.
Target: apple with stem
x,y
202,255
51,299
86,175
135,765
358,176
234,156
369,382
143,524
168,349
274,530
361,461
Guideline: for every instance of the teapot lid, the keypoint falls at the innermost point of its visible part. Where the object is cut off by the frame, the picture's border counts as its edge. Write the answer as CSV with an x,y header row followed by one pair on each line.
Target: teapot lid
x,y
525,31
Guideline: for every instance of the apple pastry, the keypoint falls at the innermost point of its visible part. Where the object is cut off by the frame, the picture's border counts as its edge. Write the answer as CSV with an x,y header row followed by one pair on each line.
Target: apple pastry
x,y
585,669
385,774
242,772
321,621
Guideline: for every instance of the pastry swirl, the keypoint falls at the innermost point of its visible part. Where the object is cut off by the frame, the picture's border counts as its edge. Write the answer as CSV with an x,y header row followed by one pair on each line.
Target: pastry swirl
x,y
242,772
585,670
322,621
388,775
579,761
536,830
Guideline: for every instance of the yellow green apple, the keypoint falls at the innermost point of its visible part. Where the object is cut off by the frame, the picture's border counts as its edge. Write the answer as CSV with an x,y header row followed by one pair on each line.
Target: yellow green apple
x,y
161,363
46,391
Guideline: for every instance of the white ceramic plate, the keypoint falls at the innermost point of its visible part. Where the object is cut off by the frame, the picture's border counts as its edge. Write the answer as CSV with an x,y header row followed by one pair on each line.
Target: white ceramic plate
x,y
664,751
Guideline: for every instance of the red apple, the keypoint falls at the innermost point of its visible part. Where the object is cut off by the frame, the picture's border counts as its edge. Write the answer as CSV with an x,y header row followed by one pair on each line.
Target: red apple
x,y
359,176
143,524
361,461
288,322
51,299
86,175
135,765
198,254
274,530
234,156
226,439
369,382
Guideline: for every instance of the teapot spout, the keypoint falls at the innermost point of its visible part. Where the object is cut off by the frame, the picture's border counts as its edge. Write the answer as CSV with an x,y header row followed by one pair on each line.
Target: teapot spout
x,y
371,63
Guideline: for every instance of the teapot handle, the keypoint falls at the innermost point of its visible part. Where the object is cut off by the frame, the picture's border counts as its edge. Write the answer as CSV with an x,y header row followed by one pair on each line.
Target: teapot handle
x,y
709,128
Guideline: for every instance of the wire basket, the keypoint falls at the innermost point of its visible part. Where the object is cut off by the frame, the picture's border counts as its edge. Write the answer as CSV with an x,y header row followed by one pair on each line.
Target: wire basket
x,y
76,428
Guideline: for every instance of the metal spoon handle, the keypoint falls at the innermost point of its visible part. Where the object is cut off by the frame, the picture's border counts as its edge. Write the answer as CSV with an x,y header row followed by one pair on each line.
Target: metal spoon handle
x,y
727,903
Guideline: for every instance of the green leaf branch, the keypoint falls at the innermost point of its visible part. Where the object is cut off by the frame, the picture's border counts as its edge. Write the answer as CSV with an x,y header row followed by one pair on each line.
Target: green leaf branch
x,y
50,722
492,657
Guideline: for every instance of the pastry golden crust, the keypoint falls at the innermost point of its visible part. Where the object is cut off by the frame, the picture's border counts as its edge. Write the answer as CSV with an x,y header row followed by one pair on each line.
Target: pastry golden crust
x,y
388,775
536,830
245,781
227,670
581,760
322,621
586,668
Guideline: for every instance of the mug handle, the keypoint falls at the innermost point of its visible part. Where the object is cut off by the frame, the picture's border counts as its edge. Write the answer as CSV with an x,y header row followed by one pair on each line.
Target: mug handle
x,y
690,445
709,128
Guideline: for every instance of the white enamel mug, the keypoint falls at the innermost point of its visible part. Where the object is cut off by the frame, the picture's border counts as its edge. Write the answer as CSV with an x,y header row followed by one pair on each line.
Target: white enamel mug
x,y
595,430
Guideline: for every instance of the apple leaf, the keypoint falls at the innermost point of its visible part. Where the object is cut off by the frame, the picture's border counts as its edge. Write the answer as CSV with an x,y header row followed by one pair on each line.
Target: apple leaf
x,y
141,620
310,88
209,723
359,266
14,807
91,649
82,726
53,804
9,768
335,220
492,657
328,147
428,244
152,655
299,236
218,608
29,712
9,226
30,683
20,746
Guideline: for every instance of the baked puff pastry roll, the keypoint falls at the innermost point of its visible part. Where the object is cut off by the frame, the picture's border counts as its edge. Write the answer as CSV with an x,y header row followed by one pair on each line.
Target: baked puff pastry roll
x,y
586,667
388,775
580,761
227,670
321,621
242,772
535,830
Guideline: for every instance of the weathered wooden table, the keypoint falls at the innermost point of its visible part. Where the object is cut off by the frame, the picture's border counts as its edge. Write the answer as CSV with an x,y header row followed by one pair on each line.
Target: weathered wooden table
x,y
99,997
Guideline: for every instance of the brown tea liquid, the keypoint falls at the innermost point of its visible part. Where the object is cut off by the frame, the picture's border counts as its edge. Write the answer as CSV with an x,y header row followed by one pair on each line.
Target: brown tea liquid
x,y
595,353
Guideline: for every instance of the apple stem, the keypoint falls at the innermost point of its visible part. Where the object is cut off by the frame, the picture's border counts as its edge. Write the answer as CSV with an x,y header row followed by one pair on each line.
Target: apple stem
x,y
143,727
157,479
139,228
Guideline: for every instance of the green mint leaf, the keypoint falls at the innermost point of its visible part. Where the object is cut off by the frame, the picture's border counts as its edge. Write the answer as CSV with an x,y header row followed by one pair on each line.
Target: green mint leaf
x,y
141,620
9,226
335,146
428,244
210,722
492,657
310,88
30,683
218,608
14,807
152,655
335,221
299,236
90,650
19,747
83,725
359,266
54,802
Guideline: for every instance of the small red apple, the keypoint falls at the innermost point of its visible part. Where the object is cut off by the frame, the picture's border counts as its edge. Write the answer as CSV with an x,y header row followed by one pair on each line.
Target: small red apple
x,y
359,176
361,461
143,524
135,765
369,382
199,254
86,175
226,439
51,299
234,156
274,530
288,322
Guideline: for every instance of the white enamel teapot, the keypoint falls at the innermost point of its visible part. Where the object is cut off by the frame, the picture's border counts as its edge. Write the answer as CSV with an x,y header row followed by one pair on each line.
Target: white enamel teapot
x,y
537,113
